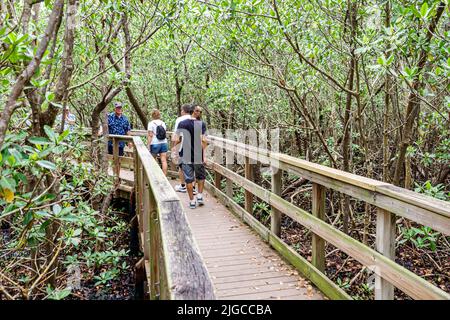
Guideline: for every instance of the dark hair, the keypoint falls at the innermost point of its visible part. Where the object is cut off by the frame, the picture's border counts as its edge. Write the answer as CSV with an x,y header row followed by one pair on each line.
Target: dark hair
x,y
187,108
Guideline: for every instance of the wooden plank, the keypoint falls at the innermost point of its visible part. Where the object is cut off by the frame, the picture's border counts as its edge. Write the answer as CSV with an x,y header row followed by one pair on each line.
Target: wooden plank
x,y
248,176
116,164
186,272
271,295
248,261
318,244
275,215
159,184
229,184
261,262
260,282
177,270
432,204
123,161
301,264
218,156
402,278
425,217
419,208
274,288
366,183
385,244
146,216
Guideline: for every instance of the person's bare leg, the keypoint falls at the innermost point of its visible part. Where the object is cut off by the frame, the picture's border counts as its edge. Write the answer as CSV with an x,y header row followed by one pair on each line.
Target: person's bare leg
x,y
190,191
164,162
200,185
181,176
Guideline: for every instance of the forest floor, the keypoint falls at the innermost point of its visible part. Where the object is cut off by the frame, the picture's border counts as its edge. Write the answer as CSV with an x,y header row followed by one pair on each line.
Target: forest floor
x,y
122,285
348,273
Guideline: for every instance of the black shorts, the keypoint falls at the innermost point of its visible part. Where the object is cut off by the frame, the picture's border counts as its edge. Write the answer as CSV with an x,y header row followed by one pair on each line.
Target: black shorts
x,y
193,172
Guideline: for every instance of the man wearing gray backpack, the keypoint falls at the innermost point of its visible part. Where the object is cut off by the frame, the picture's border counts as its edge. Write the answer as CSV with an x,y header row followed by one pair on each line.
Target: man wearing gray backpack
x,y
157,138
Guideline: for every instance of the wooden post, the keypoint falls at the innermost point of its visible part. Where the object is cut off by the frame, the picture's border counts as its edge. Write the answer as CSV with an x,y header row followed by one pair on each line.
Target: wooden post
x,y
229,184
275,214
116,164
155,291
172,165
141,200
385,244
249,176
318,210
218,157
146,218
229,161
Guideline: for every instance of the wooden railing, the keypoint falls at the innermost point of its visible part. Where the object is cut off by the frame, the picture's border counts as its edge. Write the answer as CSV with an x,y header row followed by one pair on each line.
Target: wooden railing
x,y
174,267
389,200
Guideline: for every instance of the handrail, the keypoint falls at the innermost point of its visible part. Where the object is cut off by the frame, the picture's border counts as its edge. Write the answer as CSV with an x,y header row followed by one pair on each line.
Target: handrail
x,y
172,259
423,209
388,198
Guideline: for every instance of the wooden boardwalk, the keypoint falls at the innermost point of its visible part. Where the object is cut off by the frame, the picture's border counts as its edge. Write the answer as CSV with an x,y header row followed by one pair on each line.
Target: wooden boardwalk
x,y
240,263
236,260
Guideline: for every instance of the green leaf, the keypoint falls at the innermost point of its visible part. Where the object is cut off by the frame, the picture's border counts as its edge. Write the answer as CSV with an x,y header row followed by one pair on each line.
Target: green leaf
x,y
47,164
6,185
50,96
56,209
424,10
39,140
50,133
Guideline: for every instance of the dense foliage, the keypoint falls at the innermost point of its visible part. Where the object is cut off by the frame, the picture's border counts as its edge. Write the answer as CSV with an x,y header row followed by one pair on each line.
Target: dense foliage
x,y
361,86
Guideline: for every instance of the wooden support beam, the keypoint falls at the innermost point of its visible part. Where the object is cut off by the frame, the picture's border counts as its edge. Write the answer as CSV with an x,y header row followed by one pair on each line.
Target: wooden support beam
x,y
229,161
275,214
330,289
229,184
218,157
318,210
154,247
116,163
385,244
411,205
146,217
176,269
249,175
399,276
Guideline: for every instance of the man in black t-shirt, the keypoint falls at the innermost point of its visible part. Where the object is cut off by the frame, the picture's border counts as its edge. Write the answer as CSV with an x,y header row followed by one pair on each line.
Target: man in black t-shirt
x,y
192,156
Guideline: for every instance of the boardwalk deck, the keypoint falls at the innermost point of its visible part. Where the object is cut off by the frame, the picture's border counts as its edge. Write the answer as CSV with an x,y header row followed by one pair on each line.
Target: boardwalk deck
x,y
241,264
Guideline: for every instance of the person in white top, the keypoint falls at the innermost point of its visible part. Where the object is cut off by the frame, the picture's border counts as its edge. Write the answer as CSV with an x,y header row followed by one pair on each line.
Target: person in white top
x,y
157,138
186,111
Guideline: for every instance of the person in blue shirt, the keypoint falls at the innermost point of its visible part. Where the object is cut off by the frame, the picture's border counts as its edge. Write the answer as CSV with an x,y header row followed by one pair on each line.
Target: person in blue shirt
x,y
118,124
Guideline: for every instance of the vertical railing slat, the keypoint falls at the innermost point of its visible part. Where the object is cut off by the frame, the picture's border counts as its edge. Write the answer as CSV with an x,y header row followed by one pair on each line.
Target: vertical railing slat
x,y
249,175
116,163
385,244
218,158
275,214
318,210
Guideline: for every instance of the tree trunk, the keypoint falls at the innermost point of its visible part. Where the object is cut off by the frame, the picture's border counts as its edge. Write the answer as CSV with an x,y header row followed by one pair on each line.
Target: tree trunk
x,y
413,105
30,69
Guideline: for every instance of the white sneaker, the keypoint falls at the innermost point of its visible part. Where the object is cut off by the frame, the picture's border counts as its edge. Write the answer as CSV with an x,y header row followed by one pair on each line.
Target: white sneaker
x,y
180,188
192,204
200,201
194,191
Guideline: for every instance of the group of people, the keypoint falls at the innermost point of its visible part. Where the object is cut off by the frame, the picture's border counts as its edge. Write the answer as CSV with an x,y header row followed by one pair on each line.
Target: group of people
x,y
188,146
188,149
